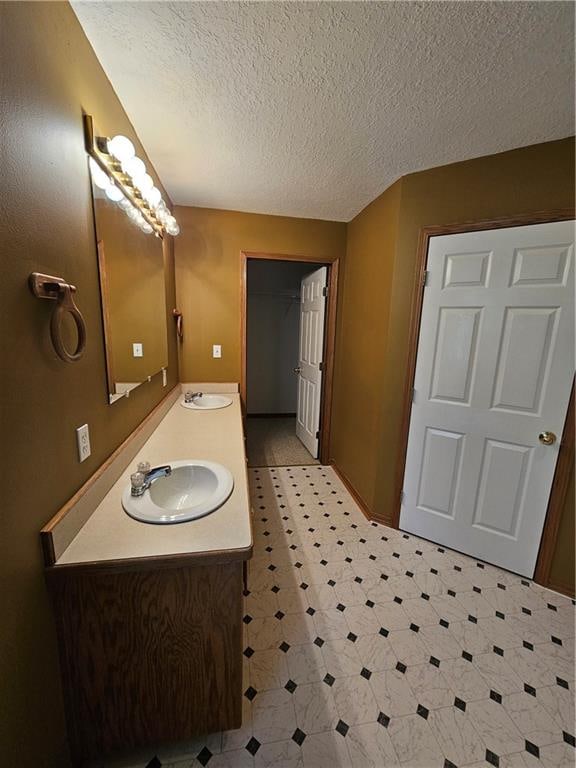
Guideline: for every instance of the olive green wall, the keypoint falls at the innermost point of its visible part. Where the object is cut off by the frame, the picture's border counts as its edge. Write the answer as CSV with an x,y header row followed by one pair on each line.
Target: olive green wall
x,y
49,75
208,277
522,181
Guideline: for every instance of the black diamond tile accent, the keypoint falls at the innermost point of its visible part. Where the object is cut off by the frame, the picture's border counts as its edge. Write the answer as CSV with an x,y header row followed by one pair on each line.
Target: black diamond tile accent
x,y
358,580
370,604
204,756
434,571
332,583
319,642
552,607
284,647
444,623
500,615
529,689
348,559
569,738
422,711
473,619
328,679
495,696
527,645
501,586
341,607
477,590
384,576
342,728
325,562
448,764
498,651
246,592
467,656
527,611
451,593
384,632
562,683
480,565
275,589
398,600
298,564
366,673
269,549
279,615
371,557
424,596
401,667
248,652
290,686
459,704
492,758
434,661
253,746
250,693
414,627
556,640
395,554
247,619
352,637
383,719
303,585
298,736
532,748
271,567
410,574
310,611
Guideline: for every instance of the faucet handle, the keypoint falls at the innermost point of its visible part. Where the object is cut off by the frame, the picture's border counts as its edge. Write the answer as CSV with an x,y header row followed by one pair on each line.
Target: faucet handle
x,y
144,467
137,483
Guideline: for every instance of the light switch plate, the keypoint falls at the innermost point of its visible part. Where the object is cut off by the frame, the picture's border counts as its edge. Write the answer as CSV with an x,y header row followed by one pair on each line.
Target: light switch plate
x,y
216,350
137,350
83,440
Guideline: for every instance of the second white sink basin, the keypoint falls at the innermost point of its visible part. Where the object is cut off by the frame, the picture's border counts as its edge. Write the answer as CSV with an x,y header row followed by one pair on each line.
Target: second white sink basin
x,y
194,489
208,402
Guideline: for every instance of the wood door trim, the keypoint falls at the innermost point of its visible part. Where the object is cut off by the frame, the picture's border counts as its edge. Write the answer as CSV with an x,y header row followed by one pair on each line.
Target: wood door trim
x,y
540,217
333,265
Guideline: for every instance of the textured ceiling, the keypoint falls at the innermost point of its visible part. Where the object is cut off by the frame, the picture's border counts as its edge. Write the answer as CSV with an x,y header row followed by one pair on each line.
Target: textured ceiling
x,y
313,109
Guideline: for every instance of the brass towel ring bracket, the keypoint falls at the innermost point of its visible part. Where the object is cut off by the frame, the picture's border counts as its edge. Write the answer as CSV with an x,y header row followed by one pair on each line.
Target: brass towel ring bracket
x,y
54,288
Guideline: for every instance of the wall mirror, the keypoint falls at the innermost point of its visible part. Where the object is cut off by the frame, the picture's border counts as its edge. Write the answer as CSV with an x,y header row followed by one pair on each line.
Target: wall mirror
x,y
131,268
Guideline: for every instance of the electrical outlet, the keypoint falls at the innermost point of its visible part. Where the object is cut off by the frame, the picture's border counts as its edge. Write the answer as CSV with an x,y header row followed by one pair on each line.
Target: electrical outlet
x,y
137,350
216,350
83,440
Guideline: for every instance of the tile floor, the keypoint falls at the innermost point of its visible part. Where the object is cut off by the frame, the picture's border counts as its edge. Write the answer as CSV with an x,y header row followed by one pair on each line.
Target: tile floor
x,y
366,647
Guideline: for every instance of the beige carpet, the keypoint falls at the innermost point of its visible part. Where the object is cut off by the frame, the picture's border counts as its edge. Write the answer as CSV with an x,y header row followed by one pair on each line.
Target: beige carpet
x,y
272,442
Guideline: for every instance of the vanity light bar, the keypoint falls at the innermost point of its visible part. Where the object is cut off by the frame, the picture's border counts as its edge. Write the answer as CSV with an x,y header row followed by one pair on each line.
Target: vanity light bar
x,y
117,170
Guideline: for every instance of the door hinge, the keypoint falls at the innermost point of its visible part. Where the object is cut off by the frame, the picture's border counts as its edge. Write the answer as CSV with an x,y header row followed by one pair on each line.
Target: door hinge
x,y
425,277
321,366
317,434
325,291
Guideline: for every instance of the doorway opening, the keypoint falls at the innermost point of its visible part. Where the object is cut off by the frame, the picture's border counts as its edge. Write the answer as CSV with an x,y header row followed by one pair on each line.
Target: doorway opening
x,y
288,328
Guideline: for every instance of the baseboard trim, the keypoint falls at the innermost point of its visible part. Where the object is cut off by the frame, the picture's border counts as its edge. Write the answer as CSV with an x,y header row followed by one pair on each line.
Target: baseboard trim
x,y
564,589
366,511
270,415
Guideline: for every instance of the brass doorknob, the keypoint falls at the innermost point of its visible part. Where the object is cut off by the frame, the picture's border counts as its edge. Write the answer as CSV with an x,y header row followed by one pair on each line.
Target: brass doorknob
x,y
547,438
297,370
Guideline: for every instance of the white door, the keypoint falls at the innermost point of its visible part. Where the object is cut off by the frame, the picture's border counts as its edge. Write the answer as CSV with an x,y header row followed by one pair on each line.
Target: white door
x,y
312,312
494,371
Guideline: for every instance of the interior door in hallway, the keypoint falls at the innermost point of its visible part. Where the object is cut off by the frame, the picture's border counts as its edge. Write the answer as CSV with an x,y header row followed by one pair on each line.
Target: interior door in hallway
x,y
312,314
494,371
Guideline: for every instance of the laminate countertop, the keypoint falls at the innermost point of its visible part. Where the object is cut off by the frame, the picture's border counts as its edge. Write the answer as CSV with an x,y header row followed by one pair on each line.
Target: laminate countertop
x,y
213,435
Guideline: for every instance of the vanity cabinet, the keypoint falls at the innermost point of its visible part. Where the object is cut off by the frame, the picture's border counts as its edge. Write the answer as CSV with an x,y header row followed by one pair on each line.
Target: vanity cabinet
x,y
150,650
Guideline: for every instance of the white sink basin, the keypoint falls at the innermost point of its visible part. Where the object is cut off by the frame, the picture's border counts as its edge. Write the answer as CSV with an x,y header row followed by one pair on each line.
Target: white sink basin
x,y
208,402
194,489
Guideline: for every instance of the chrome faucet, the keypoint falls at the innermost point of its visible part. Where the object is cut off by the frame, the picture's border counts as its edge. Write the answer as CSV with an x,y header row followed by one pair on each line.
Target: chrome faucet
x,y
189,397
140,481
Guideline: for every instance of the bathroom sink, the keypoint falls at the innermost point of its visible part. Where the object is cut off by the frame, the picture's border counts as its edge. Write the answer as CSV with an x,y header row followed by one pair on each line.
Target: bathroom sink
x,y
193,489
208,402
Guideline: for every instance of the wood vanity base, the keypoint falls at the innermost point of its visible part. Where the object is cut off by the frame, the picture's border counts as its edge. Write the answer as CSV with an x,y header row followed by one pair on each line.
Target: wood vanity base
x,y
150,655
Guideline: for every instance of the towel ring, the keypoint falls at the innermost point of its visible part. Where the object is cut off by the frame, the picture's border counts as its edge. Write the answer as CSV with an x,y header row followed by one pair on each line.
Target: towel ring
x,y
177,315
54,288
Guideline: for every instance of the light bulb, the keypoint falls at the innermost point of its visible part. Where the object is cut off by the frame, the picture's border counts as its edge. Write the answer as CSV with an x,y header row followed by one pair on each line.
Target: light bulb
x,y
172,226
146,228
145,183
132,213
121,147
101,179
113,193
125,204
154,196
134,167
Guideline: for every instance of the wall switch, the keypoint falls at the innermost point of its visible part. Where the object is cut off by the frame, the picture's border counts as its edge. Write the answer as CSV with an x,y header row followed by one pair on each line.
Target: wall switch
x,y
83,440
137,350
216,350
164,377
